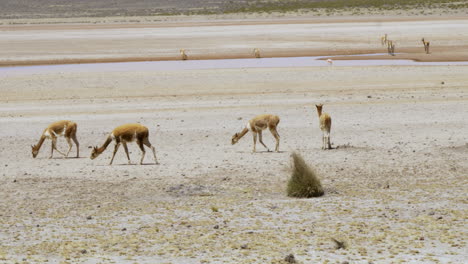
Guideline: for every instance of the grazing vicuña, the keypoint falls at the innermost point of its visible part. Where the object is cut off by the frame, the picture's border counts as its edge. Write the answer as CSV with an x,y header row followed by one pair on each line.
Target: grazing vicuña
x,y
124,134
256,125
64,128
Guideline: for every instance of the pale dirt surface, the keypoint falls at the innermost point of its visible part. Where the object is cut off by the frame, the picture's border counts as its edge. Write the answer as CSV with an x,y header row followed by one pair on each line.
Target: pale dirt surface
x,y
396,182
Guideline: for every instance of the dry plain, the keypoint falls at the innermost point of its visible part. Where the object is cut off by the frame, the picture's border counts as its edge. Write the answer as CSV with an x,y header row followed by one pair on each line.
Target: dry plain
x,y
396,180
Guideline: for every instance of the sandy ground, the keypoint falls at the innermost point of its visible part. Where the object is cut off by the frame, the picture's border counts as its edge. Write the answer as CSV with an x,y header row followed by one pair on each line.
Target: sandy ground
x,y
396,180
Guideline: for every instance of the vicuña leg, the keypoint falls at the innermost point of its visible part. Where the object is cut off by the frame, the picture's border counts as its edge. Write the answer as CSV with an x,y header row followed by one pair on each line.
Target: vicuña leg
x,y
70,145
143,152
254,140
117,145
148,144
54,146
77,144
328,140
324,139
276,136
261,141
126,152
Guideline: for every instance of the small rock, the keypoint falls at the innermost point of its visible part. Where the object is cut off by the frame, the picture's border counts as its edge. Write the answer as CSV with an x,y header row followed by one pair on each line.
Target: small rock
x,y
369,96
244,246
216,227
124,229
89,217
290,258
84,251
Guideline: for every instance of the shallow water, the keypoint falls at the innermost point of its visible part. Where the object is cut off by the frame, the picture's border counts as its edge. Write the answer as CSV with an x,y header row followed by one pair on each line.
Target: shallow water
x,y
212,64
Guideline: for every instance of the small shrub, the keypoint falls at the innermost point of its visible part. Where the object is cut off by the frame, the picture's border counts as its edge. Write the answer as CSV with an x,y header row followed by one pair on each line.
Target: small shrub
x,y
304,182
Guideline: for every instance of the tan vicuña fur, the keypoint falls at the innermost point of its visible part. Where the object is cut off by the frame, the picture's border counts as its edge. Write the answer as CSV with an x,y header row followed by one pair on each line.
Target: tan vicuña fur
x,y
63,128
182,54
257,53
391,47
325,126
383,40
256,125
426,45
124,134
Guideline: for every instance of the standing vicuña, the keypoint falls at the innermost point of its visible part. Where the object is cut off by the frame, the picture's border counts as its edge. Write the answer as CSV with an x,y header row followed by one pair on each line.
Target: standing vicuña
x,y
325,126
256,125
426,45
391,47
182,54
383,40
124,134
63,128
256,53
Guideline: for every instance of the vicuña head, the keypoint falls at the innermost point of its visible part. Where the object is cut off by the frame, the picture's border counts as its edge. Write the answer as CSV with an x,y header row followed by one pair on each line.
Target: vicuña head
x,y
235,139
124,134
95,153
319,107
34,151
256,125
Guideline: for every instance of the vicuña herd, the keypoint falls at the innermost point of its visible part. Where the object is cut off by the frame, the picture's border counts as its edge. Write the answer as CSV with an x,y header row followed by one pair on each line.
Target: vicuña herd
x,y
391,44
135,132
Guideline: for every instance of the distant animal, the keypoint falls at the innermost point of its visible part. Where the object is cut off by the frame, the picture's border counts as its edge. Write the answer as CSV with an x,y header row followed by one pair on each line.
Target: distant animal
x,y
383,40
256,125
325,125
256,53
391,47
182,54
64,128
330,62
123,135
426,45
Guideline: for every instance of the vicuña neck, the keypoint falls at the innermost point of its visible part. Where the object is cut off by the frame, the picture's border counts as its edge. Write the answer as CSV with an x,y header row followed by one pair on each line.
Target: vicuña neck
x,y
104,146
39,144
243,132
319,112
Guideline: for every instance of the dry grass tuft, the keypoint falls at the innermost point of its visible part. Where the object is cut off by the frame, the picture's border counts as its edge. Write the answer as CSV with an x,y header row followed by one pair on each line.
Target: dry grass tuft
x,y
339,244
304,182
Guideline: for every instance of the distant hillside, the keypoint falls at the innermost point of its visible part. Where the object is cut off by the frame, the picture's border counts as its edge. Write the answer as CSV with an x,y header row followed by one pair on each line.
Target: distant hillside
x,y
104,8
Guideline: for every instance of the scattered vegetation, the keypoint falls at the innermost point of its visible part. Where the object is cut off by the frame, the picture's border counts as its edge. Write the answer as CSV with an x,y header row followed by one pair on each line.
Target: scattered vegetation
x,y
304,182
120,8
268,6
339,244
